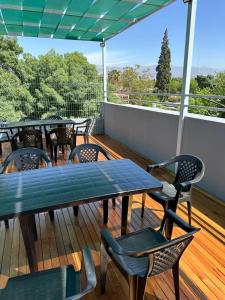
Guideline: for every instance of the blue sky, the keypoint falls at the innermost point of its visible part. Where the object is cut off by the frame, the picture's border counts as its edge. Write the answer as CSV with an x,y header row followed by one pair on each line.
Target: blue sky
x,y
141,43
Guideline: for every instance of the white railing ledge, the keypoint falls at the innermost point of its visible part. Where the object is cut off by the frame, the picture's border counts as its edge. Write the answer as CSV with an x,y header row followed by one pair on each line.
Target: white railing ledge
x,y
160,110
206,118
169,112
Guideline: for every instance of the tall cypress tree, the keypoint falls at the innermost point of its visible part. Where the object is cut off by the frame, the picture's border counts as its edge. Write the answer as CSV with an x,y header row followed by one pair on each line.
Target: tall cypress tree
x,y
163,69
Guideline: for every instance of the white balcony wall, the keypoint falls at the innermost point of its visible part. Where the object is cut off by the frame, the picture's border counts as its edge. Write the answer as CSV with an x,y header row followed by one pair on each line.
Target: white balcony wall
x,y
152,133
205,137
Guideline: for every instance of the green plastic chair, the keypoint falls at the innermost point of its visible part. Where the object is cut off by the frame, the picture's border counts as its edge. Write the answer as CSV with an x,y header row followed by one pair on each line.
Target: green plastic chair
x,y
54,284
48,128
25,159
27,138
190,170
86,153
145,253
83,129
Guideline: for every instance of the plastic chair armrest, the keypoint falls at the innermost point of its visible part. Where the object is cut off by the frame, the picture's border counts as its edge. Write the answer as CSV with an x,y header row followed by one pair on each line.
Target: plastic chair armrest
x,y
6,133
111,242
89,269
160,165
80,127
180,222
107,155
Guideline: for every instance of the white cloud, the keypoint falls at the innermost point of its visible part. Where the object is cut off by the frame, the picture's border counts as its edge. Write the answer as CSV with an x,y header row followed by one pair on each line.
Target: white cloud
x,y
113,58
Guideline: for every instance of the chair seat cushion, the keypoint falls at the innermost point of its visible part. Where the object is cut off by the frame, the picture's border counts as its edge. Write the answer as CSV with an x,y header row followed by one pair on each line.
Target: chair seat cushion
x,y
53,284
138,241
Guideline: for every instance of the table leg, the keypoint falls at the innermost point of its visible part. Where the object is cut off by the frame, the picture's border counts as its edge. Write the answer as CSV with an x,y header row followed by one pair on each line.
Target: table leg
x,y
144,196
74,141
26,225
169,224
34,227
105,211
126,213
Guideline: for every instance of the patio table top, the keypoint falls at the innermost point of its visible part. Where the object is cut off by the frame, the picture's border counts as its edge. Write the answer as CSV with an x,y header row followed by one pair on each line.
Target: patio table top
x,y
50,188
20,124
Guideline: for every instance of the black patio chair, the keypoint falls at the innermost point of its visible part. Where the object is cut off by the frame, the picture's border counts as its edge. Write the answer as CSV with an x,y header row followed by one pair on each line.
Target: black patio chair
x,y
4,138
10,131
62,283
5,134
86,153
60,137
30,118
27,138
83,129
48,128
145,253
189,170
26,159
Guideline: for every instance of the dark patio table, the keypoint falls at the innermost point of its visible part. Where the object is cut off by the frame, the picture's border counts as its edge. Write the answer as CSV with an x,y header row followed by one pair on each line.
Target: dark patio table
x,y
22,124
25,193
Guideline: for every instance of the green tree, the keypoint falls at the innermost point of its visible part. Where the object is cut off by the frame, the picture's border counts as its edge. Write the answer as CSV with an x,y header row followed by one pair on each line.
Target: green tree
x,y
219,84
52,83
194,86
114,77
175,85
129,79
201,101
9,53
136,82
219,89
15,99
62,84
27,70
163,69
204,81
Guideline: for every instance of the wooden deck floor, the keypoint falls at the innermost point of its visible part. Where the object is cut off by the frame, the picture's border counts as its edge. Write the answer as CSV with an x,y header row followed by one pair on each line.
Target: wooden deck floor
x,y
202,267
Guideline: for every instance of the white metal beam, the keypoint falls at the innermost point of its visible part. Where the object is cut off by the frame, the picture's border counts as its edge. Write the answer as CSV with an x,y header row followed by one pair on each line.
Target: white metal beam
x,y
104,71
189,45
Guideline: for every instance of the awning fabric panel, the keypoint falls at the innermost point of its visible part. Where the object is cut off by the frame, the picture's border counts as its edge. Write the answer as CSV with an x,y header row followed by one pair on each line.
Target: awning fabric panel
x,y
93,20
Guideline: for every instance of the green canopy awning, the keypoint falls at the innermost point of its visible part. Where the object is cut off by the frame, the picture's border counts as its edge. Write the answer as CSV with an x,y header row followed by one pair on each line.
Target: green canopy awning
x,y
92,20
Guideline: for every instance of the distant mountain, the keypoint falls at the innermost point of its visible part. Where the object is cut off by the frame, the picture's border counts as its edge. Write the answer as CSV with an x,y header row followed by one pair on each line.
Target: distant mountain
x,y
176,70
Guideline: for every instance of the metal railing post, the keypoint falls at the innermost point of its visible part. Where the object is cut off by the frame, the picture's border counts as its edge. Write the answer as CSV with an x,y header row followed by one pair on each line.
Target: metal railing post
x,y
189,45
104,71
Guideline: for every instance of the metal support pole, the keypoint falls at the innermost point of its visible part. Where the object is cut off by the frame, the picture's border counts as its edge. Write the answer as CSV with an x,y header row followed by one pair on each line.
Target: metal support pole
x,y
189,45
103,46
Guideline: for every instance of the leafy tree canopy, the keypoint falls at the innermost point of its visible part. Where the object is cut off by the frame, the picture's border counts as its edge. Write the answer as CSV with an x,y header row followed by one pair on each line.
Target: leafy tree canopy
x,y
51,83
70,86
204,81
9,53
